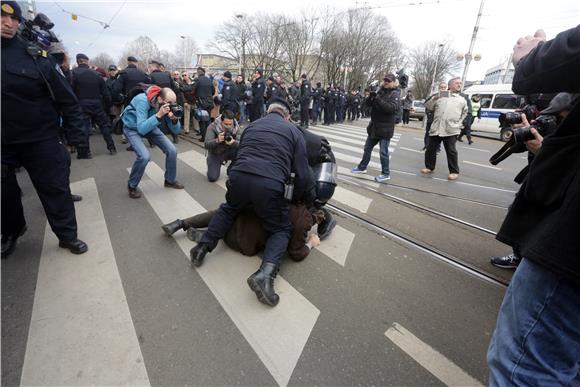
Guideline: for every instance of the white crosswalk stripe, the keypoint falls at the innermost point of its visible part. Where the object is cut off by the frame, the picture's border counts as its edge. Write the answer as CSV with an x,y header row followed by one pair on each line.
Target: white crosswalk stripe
x,y
277,335
81,331
358,149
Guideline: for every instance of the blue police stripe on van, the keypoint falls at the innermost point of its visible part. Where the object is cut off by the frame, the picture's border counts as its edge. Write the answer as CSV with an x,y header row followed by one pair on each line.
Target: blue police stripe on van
x,y
490,113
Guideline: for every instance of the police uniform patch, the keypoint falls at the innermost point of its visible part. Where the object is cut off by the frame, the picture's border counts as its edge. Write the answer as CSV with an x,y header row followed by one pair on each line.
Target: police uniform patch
x,y
7,8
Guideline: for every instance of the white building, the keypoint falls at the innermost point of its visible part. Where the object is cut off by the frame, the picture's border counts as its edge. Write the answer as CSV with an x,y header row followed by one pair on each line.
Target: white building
x,y
502,73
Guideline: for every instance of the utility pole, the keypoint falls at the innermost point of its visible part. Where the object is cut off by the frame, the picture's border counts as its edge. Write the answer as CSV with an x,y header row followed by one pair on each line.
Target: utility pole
x,y
436,64
469,54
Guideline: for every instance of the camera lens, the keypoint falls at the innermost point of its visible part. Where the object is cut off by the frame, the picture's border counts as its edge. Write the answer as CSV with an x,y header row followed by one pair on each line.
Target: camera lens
x,y
523,134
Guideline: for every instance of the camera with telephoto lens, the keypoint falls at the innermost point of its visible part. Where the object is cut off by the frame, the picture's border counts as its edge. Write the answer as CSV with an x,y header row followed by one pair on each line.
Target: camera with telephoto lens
x,y
38,32
228,135
514,118
543,124
176,110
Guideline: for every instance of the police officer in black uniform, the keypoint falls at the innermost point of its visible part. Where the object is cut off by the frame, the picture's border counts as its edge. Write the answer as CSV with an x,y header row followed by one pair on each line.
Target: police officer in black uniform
x,y
158,77
270,150
204,90
93,94
316,100
258,91
129,78
35,94
305,97
273,90
229,94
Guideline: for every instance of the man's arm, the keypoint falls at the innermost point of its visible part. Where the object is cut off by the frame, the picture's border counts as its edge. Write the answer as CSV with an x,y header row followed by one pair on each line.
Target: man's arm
x,y
210,137
389,104
145,124
551,66
105,92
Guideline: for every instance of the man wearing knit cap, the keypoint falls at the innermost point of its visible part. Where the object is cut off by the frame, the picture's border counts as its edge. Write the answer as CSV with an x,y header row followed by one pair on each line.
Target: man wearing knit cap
x,y
229,94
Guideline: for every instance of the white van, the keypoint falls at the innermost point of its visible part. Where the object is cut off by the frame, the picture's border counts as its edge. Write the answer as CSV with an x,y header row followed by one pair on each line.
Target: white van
x,y
495,99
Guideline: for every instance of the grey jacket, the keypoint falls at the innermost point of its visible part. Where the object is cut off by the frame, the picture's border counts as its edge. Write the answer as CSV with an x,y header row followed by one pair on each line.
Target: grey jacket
x,y
213,130
449,113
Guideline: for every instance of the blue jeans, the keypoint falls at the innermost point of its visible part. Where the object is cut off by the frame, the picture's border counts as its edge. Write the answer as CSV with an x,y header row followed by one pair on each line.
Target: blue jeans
x,y
537,338
384,154
242,105
143,156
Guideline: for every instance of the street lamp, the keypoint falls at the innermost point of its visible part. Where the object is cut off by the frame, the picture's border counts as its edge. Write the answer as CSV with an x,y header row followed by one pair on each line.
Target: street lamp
x,y
185,49
241,17
468,56
435,70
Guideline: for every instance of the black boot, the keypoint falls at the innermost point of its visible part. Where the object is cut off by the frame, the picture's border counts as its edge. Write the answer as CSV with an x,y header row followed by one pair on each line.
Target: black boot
x,y
197,254
262,283
327,225
195,234
171,228
459,138
76,246
9,242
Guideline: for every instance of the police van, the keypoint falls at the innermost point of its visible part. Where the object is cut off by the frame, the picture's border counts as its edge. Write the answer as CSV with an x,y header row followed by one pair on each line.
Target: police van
x,y
495,99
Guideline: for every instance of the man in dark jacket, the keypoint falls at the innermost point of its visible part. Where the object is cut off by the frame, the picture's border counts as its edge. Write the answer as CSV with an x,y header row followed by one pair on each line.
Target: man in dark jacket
x,y
316,103
31,108
258,91
203,90
241,98
129,78
273,90
93,95
384,106
537,337
221,143
305,98
270,150
229,94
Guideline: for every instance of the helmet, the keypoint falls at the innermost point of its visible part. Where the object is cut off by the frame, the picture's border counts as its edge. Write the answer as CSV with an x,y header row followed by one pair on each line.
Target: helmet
x,y
325,177
201,115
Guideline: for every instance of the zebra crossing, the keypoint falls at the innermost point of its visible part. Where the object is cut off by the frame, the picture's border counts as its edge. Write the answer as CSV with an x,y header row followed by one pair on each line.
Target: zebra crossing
x,y
81,331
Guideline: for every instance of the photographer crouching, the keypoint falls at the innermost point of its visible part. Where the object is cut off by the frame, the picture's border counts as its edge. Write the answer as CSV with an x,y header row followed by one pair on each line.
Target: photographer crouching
x,y
144,117
537,337
221,143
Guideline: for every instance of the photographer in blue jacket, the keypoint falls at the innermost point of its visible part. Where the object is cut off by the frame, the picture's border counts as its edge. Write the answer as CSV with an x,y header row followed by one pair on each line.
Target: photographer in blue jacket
x,y
144,117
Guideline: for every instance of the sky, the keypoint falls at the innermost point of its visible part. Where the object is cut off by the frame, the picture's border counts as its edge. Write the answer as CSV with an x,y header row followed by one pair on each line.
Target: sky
x,y
413,21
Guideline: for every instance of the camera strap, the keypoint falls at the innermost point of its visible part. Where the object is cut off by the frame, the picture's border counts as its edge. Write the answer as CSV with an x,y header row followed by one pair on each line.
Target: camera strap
x,y
505,151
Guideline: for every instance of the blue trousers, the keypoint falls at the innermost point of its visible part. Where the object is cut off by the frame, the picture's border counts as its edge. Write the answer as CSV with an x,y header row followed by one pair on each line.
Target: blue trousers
x,y
383,154
537,338
266,197
143,156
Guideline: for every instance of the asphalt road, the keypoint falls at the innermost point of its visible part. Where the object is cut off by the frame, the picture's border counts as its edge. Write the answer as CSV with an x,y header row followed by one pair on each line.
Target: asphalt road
x,y
362,309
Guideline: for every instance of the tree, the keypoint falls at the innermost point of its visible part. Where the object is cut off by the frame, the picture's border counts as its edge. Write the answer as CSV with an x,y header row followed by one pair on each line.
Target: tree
x,y
103,60
185,50
431,62
143,48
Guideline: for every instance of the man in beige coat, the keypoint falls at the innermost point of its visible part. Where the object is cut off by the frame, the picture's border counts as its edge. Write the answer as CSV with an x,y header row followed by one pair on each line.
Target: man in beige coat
x,y
450,109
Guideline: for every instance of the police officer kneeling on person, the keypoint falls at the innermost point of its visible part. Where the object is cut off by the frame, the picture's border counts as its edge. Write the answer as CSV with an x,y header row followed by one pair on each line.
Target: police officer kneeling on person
x,y
271,149
35,95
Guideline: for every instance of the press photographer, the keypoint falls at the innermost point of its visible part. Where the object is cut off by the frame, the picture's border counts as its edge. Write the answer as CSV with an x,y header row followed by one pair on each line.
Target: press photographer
x,y
537,337
221,143
35,96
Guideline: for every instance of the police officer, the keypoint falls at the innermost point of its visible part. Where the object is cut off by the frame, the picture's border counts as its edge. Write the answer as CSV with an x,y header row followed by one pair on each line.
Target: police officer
x,y
92,92
204,90
316,100
258,91
270,150
273,90
34,96
158,77
129,78
305,98
229,94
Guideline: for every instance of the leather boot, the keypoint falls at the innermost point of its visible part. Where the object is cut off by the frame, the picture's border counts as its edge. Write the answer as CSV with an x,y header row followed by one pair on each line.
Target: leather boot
x,y
9,242
262,283
76,246
171,228
197,254
327,225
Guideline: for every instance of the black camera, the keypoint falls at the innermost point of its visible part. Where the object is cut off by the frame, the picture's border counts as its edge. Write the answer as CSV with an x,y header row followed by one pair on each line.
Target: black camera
x,y
543,124
512,118
176,110
38,32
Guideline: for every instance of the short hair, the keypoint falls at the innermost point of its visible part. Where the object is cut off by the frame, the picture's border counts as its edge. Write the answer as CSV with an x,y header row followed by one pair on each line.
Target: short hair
x,y
228,114
451,81
279,108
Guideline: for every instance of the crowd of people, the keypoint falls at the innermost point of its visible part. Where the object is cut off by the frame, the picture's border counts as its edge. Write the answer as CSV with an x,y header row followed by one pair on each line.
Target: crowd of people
x,y
282,175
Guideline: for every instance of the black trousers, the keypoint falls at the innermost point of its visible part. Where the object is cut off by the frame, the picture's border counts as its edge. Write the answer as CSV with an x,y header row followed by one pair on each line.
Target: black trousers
x,y
431,152
94,112
266,197
406,113
466,131
304,112
48,165
256,111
